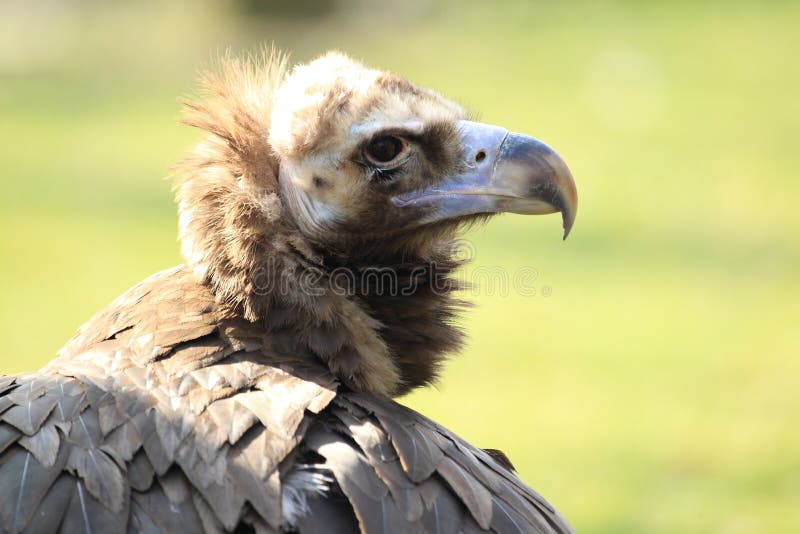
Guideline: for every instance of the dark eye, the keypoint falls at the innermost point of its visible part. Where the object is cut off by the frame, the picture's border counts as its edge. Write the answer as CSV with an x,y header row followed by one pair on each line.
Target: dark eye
x,y
386,151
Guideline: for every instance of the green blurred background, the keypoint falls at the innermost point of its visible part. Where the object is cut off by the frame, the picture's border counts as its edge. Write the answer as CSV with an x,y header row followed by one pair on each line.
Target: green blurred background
x,y
654,390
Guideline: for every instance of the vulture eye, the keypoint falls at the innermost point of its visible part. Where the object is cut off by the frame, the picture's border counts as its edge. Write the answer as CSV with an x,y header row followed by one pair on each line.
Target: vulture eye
x,y
386,151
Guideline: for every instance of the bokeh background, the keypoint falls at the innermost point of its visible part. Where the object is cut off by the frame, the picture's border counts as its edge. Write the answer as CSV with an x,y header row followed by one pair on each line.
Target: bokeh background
x,y
651,384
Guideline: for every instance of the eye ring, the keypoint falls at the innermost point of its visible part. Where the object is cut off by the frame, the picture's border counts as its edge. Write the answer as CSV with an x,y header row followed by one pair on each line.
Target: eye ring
x,y
386,151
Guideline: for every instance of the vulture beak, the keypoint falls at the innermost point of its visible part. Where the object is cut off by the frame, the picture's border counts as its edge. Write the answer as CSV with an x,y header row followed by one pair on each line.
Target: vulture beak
x,y
505,172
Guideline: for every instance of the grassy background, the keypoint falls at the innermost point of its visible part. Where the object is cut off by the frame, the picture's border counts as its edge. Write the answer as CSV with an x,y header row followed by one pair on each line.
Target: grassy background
x,y
654,390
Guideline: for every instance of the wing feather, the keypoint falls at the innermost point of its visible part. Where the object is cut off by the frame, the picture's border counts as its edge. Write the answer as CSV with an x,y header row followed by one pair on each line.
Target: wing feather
x,y
50,512
29,415
44,444
368,495
168,507
26,483
259,484
466,486
8,436
86,514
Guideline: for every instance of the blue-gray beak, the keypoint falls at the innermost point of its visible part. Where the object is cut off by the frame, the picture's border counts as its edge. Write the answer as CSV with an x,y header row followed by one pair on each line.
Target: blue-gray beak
x,y
505,172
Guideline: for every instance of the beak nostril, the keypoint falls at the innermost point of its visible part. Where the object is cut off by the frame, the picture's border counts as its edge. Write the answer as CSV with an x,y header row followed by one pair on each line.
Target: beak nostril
x,y
480,156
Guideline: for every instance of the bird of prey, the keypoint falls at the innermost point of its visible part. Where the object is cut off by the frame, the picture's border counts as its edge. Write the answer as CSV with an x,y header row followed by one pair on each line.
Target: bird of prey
x,y
250,389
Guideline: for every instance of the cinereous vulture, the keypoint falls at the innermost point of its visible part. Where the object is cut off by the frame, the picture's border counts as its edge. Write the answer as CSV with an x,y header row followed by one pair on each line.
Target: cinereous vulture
x,y
250,389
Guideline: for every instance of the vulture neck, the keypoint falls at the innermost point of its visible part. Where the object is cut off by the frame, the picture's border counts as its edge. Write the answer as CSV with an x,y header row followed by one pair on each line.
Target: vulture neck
x,y
414,305
382,324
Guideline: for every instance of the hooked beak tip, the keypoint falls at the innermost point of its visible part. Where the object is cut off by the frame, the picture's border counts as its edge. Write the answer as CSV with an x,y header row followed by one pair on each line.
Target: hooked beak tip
x,y
568,220
568,203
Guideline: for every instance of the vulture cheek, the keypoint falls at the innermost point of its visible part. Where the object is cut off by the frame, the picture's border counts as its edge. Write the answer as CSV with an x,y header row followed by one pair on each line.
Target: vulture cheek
x,y
311,198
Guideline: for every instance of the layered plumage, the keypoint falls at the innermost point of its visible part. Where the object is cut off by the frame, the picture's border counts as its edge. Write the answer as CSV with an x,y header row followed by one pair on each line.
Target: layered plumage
x,y
241,390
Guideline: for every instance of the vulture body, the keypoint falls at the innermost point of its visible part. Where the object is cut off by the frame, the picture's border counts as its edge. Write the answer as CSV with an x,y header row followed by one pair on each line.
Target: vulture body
x,y
250,389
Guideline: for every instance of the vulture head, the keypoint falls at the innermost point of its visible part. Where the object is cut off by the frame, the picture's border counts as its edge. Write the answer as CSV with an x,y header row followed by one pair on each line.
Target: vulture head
x,y
327,200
